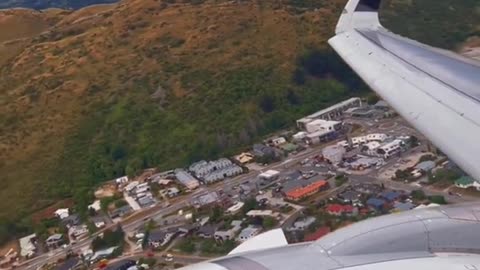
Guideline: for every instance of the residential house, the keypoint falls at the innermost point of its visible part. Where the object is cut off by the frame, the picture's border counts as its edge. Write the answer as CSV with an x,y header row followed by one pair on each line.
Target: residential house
x,y
98,221
319,233
467,182
339,210
426,166
54,241
205,199
333,154
207,230
121,265
146,201
69,264
391,196
160,238
234,209
261,150
350,196
121,211
230,232
62,213
248,233
302,224
72,220
244,158
261,213
77,231
102,254
376,203
403,206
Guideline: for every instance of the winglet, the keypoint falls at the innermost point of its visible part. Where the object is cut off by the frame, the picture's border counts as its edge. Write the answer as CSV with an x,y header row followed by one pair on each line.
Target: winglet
x,y
359,14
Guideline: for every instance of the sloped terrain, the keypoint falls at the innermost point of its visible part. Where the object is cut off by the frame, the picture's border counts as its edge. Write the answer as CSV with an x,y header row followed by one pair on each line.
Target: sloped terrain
x,y
45,4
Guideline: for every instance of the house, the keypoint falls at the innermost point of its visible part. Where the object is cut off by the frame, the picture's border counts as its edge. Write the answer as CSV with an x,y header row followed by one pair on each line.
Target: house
x,y
261,213
390,149
249,233
95,206
339,210
333,154
234,209
426,166
102,254
467,182
121,211
230,232
72,220
402,206
28,245
391,196
54,241
121,265
121,180
376,203
131,186
320,136
244,158
186,229
261,150
69,264
207,230
349,196
146,201
98,221
77,231
160,238
62,213
302,224
296,190
321,232
173,192
279,141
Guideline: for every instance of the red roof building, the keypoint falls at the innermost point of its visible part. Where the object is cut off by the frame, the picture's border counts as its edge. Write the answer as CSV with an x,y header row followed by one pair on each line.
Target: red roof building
x,y
321,232
302,192
338,209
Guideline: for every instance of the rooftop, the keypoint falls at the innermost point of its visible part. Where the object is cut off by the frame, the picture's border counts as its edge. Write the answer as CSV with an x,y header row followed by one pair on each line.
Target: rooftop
x,y
298,188
317,234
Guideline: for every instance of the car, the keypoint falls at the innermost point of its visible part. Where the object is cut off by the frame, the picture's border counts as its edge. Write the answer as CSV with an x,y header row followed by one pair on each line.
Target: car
x,y
169,257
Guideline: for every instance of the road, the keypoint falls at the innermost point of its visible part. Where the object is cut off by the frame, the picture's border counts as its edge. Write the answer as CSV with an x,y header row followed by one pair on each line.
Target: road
x,y
130,224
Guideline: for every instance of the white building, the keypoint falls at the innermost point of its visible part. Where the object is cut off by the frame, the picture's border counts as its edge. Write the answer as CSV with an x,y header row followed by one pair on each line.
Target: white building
x,y
269,175
378,137
389,149
261,213
320,124
279,141
186,179
62,213
223,235
132,185
248,233
330,113
235,208
27,245
334,154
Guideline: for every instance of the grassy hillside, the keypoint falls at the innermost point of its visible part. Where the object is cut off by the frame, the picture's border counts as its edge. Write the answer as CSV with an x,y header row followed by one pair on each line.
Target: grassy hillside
x,y
45,4
107,90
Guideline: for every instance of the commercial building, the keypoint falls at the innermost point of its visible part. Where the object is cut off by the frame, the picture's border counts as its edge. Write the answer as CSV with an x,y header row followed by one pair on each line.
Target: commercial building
x,y
330,113
234,209
426,166
269,175
339,210
333,154
320,124
390,149
261,213
186,179
296,190
206,199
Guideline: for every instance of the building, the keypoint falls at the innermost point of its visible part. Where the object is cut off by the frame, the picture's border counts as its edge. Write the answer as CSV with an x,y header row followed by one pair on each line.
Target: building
x,y
186,179
426,166
467,182
95,206
382,105
207,230
261,150
234,209
320,136
339,210
244,158
69,264
402,206
300,136
376,203
221,174
261,213
206,199
350,196
203,168
160,238
333,112
323,125
121,211
302,224
54,241
121,265
230,232
102,254
296,190
390,149
391,196
321,232
146,201
365,162
77,231
121,180
279,141
131,186
28,245
333,154
269,175
62,213
248,233
172,192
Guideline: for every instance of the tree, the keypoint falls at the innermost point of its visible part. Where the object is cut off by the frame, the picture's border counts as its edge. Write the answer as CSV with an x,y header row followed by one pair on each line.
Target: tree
x,y
418,195
92,212
187,246
269,222
438,199
250,204
216,214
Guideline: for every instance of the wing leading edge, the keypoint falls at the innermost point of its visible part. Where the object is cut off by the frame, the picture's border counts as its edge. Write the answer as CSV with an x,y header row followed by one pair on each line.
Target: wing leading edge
x,y
435,90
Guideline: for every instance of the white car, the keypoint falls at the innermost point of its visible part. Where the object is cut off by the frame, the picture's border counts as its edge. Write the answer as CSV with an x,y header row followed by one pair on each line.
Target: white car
x,y
169,257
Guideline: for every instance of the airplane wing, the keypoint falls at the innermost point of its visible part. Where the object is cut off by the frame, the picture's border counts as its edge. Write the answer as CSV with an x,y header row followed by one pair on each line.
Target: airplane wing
x,y
435,90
